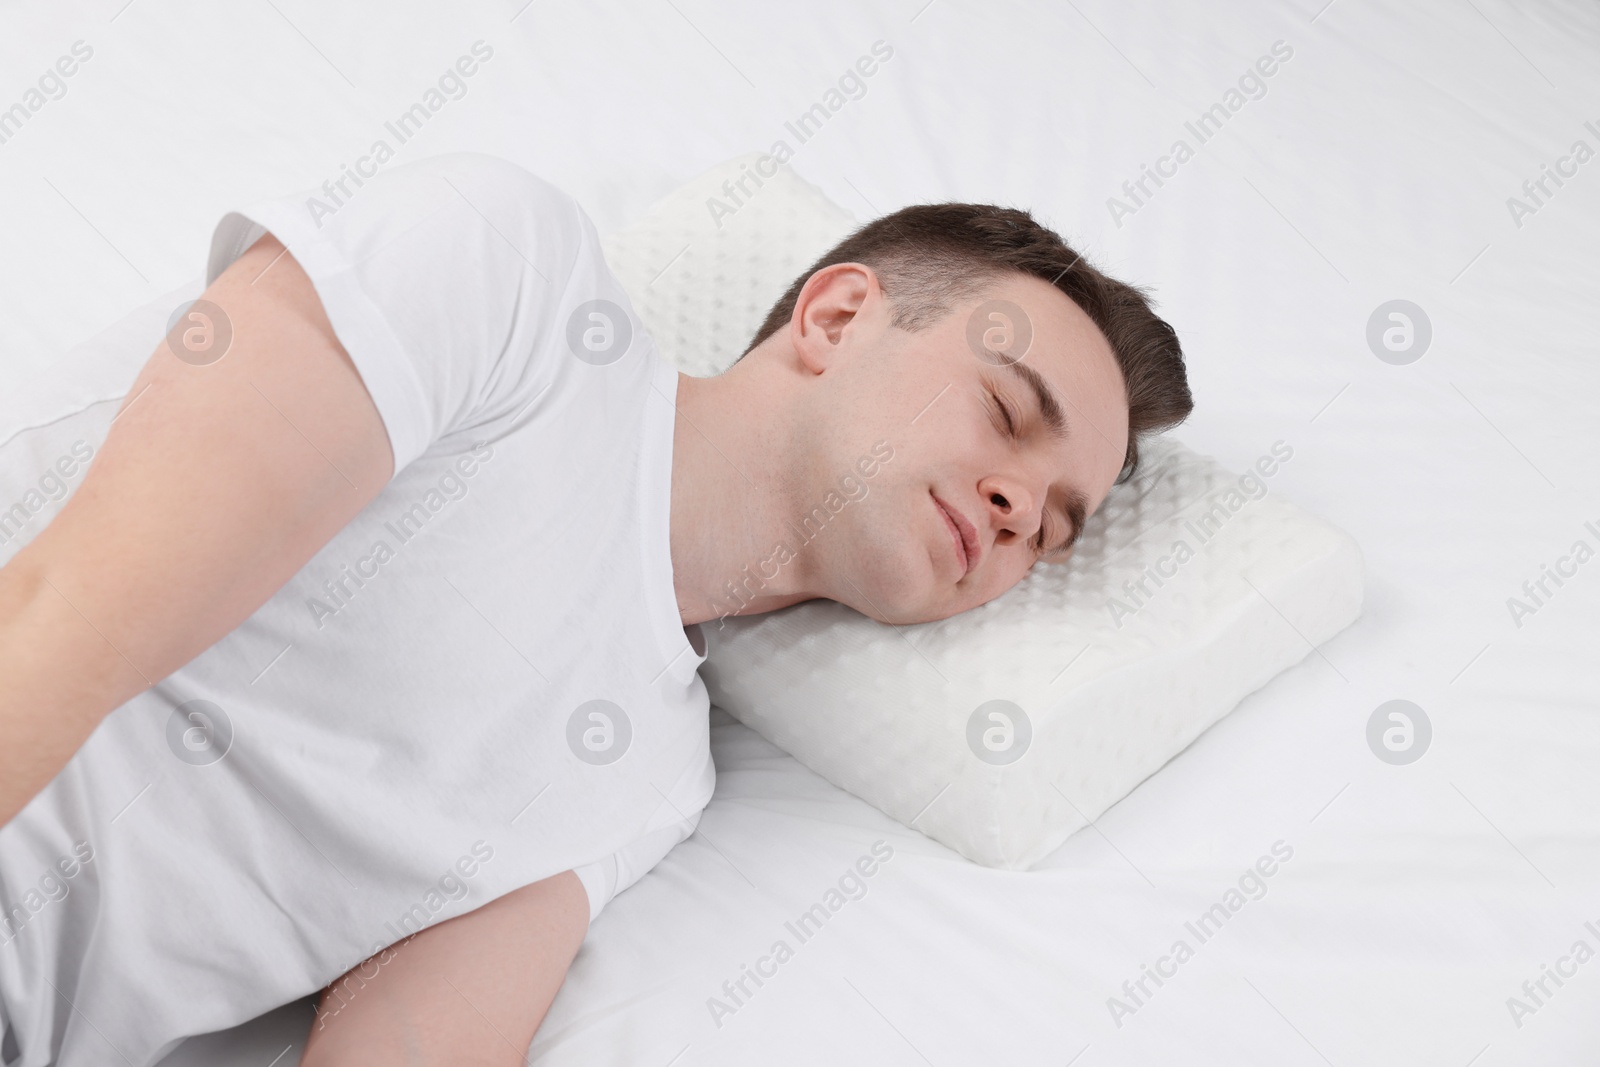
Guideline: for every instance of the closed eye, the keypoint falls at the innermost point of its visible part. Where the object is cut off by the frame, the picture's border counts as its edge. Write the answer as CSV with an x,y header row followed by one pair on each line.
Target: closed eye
x,y
1010,420
1043,543
1039,540
1014,432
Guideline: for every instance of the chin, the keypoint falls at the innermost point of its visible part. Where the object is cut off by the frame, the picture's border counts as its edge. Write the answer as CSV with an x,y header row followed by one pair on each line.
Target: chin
x,y
897,594
892,614
940,611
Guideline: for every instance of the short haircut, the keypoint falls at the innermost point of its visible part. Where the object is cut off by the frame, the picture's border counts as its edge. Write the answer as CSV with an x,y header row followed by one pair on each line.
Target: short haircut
x,y
929,256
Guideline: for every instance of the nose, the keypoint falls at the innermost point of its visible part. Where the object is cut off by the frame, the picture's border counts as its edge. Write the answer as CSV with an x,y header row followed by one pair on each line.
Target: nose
x,y
1013,508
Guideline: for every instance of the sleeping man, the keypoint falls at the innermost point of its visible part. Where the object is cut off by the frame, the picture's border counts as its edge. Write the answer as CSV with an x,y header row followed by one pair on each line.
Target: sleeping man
x,y
367,646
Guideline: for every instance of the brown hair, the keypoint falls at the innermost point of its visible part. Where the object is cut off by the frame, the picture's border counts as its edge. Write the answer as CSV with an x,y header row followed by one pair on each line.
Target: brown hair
x,y
930,255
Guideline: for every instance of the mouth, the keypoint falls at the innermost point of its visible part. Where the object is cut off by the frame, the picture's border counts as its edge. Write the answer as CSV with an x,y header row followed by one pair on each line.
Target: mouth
x,y
962,534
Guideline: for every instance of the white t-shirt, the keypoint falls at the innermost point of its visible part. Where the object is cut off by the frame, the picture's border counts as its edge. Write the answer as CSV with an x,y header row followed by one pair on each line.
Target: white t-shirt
x,y
481,681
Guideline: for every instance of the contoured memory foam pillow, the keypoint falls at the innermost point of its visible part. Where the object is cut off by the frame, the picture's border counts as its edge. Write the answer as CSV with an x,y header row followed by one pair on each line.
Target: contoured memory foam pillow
x,y
1004,729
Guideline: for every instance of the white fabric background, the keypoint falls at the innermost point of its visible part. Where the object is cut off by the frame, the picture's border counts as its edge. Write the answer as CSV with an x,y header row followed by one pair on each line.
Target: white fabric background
x,y
1377,166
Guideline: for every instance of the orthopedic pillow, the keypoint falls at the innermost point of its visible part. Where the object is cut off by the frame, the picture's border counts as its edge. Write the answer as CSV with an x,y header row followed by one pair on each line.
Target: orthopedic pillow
x,y
1004,729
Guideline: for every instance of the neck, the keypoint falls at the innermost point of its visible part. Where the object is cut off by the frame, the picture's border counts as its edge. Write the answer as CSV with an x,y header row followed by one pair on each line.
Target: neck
x,y
733,482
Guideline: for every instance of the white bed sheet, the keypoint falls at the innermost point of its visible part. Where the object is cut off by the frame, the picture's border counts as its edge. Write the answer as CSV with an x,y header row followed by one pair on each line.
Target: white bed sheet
x,y
1377,166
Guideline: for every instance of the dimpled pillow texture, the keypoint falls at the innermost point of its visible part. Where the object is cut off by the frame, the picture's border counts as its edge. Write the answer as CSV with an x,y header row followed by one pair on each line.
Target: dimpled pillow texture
x,y
1001,731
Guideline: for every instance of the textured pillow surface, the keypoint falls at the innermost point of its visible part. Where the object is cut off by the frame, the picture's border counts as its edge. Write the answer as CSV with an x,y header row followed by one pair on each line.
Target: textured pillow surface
x,y
1004,729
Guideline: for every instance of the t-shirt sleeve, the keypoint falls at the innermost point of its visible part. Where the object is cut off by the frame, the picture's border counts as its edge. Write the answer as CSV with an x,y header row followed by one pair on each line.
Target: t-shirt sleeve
x,y
605,878
443,278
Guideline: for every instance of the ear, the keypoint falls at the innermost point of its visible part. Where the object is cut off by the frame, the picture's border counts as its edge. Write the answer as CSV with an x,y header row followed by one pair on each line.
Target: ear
x,y
829,305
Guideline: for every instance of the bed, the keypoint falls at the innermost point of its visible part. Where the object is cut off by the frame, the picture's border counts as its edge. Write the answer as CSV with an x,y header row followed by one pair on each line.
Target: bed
x,y
1395,152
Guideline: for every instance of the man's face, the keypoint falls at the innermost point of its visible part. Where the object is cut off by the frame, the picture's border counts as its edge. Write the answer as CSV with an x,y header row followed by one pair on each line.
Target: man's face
x,y
981,485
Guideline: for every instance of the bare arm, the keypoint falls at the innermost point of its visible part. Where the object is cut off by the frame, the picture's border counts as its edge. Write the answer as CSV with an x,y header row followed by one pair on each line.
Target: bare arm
x,y
214,486
470,991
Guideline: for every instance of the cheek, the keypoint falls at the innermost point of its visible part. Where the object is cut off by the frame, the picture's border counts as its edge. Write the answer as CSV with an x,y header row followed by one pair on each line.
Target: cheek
x,y
1007,573
1015,573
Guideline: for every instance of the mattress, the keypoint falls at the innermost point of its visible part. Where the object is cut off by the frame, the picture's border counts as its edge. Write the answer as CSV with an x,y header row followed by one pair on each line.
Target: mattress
x,y
1416,911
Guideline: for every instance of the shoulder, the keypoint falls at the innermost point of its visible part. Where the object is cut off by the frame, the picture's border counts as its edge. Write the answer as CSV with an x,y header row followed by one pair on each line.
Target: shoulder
x,y
463,191
492,174
489,185
515,214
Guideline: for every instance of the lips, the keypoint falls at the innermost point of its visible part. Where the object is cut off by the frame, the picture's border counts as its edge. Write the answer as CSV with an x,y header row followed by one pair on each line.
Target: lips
x,y
962,534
